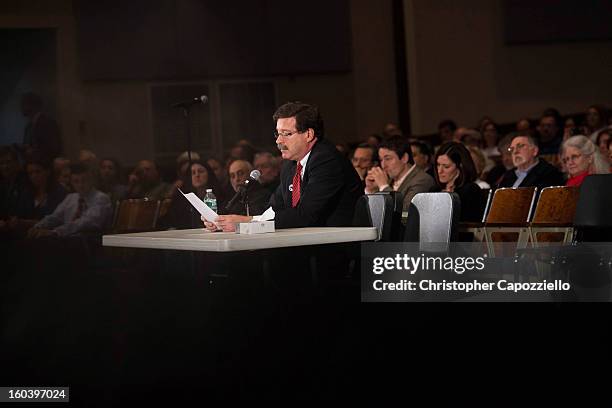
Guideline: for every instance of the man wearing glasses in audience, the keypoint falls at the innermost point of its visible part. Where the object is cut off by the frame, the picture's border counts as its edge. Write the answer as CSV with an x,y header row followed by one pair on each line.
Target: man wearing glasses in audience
x,y
318,186
529,170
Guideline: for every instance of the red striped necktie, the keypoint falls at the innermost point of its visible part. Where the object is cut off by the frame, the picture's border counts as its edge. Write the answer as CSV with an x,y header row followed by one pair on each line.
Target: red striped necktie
x,y
297,184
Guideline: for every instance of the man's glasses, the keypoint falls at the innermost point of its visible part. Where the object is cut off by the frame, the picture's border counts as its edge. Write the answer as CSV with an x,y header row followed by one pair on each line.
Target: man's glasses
x,y
278,134
519,146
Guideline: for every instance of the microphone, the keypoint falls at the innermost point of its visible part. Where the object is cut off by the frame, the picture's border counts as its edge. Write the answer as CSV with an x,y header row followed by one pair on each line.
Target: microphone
x,y
186,104
253,178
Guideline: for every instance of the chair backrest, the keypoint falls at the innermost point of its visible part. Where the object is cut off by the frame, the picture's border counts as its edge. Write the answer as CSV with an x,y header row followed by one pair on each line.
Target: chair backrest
x,y
486,196
556,205
511,205
376,210
438,217
594,208
136,215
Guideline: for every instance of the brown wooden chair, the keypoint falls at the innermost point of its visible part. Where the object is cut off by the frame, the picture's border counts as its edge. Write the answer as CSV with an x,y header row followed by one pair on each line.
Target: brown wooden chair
x,y
508,217
136,215
554,215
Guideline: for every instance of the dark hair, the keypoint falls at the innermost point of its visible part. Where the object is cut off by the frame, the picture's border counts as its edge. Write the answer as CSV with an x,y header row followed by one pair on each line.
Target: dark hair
x,y
424,148
605,131
79,168
375,136
554,113
399,145
603,112
42,161
367,146
118,167
211,183
447,123
459,155
306,117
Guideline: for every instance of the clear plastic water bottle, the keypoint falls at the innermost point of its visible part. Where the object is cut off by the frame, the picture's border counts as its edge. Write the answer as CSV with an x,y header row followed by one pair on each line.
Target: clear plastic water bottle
x,y
210,199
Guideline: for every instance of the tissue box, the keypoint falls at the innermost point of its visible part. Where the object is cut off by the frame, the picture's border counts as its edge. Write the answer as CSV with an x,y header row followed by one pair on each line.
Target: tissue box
x,y
255,227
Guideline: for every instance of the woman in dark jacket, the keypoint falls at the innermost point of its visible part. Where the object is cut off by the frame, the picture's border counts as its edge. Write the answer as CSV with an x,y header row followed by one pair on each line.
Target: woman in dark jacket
x,y
40,198
455,172
181,214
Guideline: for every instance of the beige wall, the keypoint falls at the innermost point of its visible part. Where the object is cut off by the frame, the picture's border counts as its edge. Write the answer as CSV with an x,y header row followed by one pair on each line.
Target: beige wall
x,y
460,68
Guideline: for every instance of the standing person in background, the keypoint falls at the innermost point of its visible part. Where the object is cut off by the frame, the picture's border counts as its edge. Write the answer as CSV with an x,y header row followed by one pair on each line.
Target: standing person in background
x,y
41,135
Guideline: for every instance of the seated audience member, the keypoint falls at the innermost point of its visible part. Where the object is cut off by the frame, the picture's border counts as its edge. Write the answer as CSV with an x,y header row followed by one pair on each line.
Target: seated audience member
x,y
61,172
244,151
398,171
13,182
222,176
181,214
364,157
530,170
582,158
182,170
569,128
90,159
87,210
318,186
374,140
490,135
602,141
269,166
145,182
480,161
523,126
392,129
596,121
40,198
422,155
495,175
110,180
257,196
549,132
456,173
468,137
446,129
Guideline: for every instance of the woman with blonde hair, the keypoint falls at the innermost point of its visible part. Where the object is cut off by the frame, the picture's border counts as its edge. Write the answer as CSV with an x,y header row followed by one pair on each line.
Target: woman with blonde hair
x,y
581,158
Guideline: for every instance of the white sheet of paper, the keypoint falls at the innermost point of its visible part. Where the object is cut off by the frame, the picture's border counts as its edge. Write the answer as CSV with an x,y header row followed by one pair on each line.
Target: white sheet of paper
x,y
199,205
268,215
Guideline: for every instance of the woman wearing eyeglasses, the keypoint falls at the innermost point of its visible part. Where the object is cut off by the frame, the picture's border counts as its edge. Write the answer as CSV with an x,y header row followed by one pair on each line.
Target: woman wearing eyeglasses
x,y
581,158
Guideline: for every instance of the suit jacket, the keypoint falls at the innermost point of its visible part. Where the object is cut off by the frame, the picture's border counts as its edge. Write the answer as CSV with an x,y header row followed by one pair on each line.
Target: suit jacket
x,y
542,175
418,181
330,189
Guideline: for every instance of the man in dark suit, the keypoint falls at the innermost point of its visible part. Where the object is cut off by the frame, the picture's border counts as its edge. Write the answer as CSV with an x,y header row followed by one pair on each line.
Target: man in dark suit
x,y
318,186
529,171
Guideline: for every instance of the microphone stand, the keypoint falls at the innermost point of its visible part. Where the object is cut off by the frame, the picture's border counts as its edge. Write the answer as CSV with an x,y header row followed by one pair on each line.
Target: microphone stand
x,y
186,113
